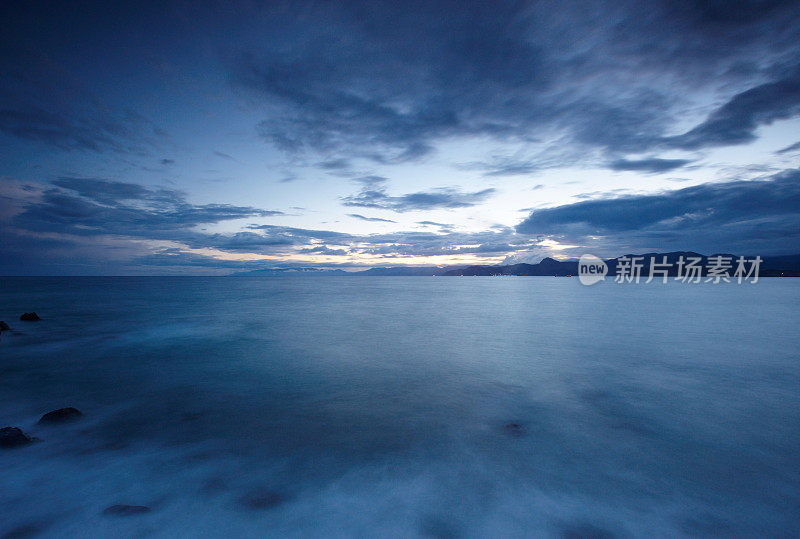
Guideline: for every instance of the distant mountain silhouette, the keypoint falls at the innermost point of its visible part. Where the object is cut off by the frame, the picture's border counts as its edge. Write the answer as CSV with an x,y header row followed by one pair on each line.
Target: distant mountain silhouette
x,y
414,271
771,266
273,272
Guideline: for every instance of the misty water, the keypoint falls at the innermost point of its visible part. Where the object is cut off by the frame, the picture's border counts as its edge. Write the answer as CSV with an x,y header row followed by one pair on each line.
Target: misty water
x,y
366,406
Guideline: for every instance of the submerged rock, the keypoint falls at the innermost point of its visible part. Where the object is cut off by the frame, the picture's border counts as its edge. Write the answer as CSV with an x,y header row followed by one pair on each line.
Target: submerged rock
x,y
13,437
439,528
29,317
4,326
514,429
261,499
585,531
24,531
120,510
62,415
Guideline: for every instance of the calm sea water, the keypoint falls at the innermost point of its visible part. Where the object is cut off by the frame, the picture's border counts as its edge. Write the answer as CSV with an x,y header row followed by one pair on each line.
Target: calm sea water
x,y
367,406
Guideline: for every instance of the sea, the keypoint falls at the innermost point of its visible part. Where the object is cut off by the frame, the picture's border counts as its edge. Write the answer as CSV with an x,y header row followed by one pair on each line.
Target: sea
x,y
335,406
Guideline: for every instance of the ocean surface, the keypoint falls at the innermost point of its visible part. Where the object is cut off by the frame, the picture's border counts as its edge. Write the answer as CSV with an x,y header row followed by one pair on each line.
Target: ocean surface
x,y
401,406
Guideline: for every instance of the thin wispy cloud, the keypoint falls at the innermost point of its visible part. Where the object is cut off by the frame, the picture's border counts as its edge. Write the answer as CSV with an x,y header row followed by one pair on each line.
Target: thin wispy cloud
x,y
372,219
423,200
652,165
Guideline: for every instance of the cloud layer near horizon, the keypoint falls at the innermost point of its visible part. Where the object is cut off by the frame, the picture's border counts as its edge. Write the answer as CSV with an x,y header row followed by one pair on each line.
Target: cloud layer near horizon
x,y
747,216
740,216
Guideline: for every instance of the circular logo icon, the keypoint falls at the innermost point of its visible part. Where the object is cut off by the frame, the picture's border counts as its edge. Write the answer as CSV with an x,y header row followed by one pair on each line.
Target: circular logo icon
x,y
591,269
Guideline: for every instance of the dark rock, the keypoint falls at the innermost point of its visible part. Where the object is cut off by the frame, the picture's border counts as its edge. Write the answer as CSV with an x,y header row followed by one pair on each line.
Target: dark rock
x,y
266,499
24,531
439,528
514,429
13,437
213,485
62,415
585,531
125,510
191,416
29,317
4,326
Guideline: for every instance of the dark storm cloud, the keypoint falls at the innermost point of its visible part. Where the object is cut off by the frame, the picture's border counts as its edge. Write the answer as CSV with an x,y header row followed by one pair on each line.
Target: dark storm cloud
x,y
387,82
423,200
732,216
652,164
391,81
737,120
375,219
88,207
42,101
72,131
790,148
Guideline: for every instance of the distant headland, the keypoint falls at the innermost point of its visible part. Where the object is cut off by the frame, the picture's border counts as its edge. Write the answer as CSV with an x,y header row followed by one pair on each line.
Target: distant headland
x,y
771,266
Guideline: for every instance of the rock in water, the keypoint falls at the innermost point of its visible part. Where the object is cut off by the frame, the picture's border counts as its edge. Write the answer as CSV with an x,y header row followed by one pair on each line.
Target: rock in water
x,y
13,437
62,415
29,317
125,510
261,499
4,326
514,429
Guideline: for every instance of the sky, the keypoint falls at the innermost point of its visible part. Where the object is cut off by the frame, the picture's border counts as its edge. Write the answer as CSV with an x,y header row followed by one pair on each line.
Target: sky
x,y
211,138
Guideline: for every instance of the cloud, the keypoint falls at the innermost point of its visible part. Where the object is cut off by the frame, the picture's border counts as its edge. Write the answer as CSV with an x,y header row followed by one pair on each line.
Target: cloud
x,y
375,219
490,243
737,216
41,101
334,164
88,207
789,148
509,167
105,220
324,250
652,165
180,257
423,200
79,215
443,226
736,121
371,182
389,83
